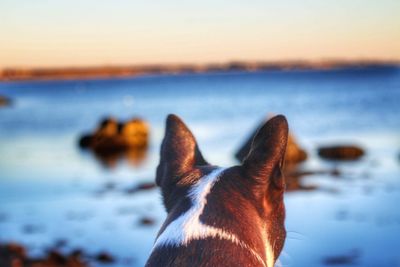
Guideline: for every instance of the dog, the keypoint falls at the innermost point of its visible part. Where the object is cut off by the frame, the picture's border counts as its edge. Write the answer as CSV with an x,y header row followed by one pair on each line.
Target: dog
x,y
221,216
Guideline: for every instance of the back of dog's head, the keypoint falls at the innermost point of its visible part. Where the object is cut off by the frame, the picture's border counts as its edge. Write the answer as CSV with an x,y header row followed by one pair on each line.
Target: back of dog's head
x,y
245,200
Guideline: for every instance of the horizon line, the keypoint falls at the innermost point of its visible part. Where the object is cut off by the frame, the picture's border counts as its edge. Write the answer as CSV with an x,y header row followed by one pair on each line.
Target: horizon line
x,y
308,62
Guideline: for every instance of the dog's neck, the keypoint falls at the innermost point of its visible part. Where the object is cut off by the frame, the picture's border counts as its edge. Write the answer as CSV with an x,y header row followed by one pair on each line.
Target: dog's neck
x,y
188,226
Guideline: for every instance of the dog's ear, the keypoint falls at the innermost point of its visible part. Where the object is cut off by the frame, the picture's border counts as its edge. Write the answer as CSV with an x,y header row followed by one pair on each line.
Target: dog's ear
x,y
179,152
264,163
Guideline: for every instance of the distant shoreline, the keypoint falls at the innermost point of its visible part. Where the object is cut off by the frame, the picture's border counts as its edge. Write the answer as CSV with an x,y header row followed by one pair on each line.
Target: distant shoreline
x,y
68,73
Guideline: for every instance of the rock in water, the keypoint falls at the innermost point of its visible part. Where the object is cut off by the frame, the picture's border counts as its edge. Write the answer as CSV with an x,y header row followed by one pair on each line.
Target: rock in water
x,y
4,101
85,141
107,127
105,257
113,139
341,152
136,133
294,153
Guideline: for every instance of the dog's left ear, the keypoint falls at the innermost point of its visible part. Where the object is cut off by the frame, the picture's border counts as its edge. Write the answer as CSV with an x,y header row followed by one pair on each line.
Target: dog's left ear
x,y
179,152
263,164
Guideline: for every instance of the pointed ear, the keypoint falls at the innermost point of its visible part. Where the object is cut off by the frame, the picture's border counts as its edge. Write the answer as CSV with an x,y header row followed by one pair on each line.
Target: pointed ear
x,y
179,152
267,153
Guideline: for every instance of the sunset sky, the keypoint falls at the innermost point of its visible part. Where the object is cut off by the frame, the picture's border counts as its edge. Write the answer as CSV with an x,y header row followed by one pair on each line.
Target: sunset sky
x,y
113,32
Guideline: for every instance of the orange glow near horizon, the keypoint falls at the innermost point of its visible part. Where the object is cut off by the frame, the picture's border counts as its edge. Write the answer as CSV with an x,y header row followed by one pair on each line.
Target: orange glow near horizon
x,y
75,33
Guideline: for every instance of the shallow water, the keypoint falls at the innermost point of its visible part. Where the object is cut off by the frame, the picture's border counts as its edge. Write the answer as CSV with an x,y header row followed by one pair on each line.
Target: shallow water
x,y
50,190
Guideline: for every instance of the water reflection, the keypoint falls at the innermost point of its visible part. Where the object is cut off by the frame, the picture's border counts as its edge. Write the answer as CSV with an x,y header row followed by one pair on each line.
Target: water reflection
x,y
133,156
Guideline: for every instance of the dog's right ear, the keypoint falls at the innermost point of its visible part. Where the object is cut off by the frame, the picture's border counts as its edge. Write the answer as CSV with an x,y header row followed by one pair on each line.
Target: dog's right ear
x,y
179,152
263,164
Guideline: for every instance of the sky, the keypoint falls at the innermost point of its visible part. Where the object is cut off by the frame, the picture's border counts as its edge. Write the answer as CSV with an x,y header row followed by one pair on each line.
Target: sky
x,y
56,33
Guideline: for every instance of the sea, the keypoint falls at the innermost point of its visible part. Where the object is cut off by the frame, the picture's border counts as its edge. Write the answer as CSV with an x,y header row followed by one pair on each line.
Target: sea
x,y
54,194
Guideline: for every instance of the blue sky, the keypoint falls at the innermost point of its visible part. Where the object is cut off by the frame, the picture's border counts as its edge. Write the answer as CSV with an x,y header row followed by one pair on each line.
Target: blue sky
x,y
106,32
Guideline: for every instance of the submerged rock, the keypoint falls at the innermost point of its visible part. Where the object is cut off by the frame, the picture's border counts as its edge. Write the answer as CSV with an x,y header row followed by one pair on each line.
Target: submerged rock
x,y
104,257
347,259
341,152
4,101
294,178
146,221
294,153
112,140
13,255
33,228
140,187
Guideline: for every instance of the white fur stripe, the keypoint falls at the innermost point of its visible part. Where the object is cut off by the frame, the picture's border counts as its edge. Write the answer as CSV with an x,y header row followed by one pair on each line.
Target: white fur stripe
x,y
188,226
269,253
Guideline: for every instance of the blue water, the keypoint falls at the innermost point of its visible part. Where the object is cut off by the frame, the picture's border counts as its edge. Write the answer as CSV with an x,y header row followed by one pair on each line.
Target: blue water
x,y
48,184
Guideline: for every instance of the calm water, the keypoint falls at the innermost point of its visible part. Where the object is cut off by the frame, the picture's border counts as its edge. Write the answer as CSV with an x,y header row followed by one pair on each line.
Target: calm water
x,y
49,189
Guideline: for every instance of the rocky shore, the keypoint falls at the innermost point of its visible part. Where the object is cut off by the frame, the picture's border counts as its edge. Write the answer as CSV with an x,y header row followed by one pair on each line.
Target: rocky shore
x,y
48,73
15,255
